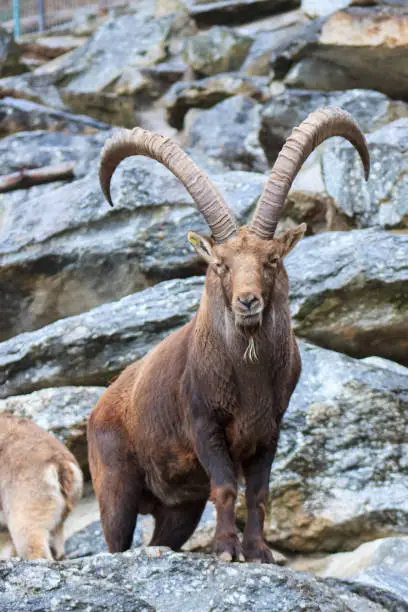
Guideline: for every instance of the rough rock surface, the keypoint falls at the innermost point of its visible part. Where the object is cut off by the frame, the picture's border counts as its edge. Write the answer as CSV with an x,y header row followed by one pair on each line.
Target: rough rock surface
x,y
49,47
33,86
41,148
128,42
340,474
62,411
365,43
91,348
157,579
229,133
205,93
383,199
21,115
371,109
266,49
51,245
219,49
349,295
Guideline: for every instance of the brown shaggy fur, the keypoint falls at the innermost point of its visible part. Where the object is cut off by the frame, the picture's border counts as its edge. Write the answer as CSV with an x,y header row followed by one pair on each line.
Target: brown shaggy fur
x,y
181,425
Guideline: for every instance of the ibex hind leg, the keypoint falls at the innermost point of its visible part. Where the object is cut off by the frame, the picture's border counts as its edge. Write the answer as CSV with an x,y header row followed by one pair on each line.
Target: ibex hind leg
x,y
117,485
175,524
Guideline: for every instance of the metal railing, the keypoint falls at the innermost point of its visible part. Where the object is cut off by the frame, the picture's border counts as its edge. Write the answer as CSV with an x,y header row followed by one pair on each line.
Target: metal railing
x,y
25,16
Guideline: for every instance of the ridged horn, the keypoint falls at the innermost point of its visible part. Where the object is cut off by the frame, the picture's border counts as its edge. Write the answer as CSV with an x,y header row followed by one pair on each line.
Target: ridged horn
x,y
138,141
317,127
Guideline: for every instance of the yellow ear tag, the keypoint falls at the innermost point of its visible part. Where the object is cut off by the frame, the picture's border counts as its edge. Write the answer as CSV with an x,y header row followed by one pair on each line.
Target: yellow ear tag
x,y
193,239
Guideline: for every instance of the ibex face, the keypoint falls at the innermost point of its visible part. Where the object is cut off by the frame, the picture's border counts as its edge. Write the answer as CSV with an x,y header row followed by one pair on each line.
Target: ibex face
x,y
244,270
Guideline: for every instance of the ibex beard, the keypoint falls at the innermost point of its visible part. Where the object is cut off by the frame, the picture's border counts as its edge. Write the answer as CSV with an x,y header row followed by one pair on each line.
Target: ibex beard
x,y
204,407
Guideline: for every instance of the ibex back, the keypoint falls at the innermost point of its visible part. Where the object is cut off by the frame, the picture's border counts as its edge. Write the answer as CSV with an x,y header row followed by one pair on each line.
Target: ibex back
x,y
205,406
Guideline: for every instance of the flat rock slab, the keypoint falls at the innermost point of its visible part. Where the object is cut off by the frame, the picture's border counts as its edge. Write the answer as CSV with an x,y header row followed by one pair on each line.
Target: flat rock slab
x,y
93,347
157,579
52,245
62,411
349,294
39,148
17,115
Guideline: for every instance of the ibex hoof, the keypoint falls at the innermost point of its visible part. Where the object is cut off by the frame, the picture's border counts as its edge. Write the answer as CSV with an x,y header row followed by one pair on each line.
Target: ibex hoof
x,y
229,549
258,552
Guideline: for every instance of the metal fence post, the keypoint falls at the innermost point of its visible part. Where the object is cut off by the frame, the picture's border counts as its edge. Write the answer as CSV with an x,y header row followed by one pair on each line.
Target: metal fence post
x,y
41,15
16,18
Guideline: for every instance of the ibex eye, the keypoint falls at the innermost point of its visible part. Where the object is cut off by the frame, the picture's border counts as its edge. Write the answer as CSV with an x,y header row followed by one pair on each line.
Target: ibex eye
x,y
221,266
273,261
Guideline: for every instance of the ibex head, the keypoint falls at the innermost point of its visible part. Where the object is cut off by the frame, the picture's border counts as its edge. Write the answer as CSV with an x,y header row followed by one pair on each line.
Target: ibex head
x,y
245,263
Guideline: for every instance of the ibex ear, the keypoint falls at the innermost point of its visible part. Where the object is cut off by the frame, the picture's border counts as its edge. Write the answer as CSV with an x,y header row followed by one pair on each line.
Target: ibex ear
x,y
289,239
202,245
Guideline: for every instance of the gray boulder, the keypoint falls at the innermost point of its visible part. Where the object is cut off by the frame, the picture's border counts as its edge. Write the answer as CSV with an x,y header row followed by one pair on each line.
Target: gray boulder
x,y
157,579
229,133
383,199
17,115
219,49
52,246
282,113
349,294
361,44
340,474
62,411
37,149
265,52
91,348
205,93
34,86
130,41
103,77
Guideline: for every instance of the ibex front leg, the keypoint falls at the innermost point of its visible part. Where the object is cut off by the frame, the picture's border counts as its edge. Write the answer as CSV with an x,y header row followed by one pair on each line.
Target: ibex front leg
x,y
214,457
257,472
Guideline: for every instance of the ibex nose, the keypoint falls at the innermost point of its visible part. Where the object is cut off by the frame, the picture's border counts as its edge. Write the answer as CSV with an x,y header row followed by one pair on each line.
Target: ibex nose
x,y
249,300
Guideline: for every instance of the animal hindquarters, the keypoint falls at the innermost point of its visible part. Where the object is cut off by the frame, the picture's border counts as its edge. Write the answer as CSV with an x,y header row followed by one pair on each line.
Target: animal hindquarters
x,y
38,510
116,483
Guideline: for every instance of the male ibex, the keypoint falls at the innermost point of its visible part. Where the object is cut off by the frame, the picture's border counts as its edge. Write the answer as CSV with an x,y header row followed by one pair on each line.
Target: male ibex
x,y
181,424
40,482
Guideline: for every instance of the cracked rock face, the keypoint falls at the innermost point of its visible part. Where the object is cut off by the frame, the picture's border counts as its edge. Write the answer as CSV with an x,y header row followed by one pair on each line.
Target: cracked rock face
x,y
349,294
340,476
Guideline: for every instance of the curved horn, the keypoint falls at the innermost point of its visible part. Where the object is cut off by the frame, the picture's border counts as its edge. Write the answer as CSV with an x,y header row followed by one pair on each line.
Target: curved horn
x,y
209,201
317,127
